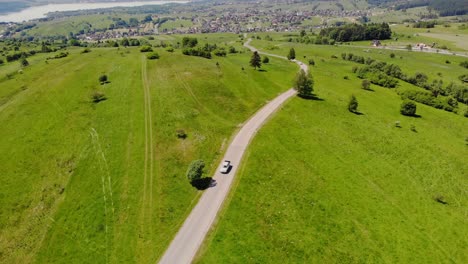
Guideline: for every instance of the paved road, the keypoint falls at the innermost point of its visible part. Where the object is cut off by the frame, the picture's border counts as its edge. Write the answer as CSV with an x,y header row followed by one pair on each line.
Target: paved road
x,y
300,63
192,233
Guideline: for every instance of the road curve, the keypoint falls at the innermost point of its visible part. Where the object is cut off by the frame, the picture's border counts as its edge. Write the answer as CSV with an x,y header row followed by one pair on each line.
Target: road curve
x,y
192,233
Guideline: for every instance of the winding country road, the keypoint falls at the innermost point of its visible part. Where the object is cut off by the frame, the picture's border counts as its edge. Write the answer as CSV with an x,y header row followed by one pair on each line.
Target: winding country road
x,y
192,233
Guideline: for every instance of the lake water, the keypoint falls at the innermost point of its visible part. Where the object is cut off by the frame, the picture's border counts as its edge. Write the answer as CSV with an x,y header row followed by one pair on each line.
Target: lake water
x,y
41,11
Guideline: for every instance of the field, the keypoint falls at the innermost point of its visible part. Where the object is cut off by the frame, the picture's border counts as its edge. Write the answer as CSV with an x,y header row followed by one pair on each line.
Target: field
x,y
86,182
323,185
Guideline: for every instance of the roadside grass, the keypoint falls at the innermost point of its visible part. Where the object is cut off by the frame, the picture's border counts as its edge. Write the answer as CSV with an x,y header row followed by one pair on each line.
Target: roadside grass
x,y
322,185
72,174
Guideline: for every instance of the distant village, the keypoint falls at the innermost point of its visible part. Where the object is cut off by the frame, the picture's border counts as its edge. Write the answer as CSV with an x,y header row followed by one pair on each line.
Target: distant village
x,y
252,20
213,21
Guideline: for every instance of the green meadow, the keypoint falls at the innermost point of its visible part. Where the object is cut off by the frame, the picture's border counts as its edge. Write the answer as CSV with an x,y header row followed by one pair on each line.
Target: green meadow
x,y
86,182
322,185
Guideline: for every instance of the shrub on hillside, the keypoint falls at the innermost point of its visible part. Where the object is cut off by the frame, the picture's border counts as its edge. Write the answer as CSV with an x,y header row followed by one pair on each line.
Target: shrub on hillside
x,y
463,78
464,64
181,134
408,108
221,52
266,60
153,56
24,62
353,104
365,84
232,50
146,49
311,62
103,79
199,52
98,96
188,42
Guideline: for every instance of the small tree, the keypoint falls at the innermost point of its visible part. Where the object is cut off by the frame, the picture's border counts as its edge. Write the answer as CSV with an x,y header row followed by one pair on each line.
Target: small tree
x,y
195,170
1,62
353,104
304,84
311,62
392,55
365,84
181,134
98,96
103,79
24,62
291,54
255,60
408,108
303,33
266,60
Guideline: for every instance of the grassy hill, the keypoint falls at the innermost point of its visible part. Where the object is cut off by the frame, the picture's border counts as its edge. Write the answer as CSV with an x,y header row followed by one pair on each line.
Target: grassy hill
x,y
86,182
323,185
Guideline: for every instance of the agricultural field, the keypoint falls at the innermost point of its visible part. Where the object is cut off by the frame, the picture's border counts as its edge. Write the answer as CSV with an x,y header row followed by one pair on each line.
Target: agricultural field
x,y
320,184
179,24
71,24
104,181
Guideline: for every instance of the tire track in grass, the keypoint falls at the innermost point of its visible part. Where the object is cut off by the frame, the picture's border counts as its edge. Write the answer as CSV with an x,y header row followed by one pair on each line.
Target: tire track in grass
x,y
147,202
98,150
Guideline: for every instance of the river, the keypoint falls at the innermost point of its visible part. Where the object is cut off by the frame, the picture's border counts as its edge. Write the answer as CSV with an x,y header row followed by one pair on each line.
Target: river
x,y
36,12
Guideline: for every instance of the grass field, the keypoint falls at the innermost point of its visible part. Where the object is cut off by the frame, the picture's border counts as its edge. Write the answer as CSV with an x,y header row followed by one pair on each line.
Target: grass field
x,y
323,185
94,183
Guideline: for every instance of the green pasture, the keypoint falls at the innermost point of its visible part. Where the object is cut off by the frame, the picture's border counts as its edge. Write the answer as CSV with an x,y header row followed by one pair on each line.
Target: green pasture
x,y
322,185
86,182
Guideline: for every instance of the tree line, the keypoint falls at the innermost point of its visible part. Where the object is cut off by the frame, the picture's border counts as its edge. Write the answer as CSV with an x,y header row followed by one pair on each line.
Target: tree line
x,y
357,32
388,75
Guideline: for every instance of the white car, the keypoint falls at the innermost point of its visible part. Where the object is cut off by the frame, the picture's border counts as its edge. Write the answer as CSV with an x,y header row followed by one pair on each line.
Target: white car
x,y
225,168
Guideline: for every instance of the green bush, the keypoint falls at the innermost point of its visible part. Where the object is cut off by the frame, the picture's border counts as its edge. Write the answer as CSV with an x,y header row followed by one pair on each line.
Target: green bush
x,y
463,78
408,108
221,52
464,64
266,60
195,170
353,104
153,56
365,84
98,96
24,62
146,49
103,78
